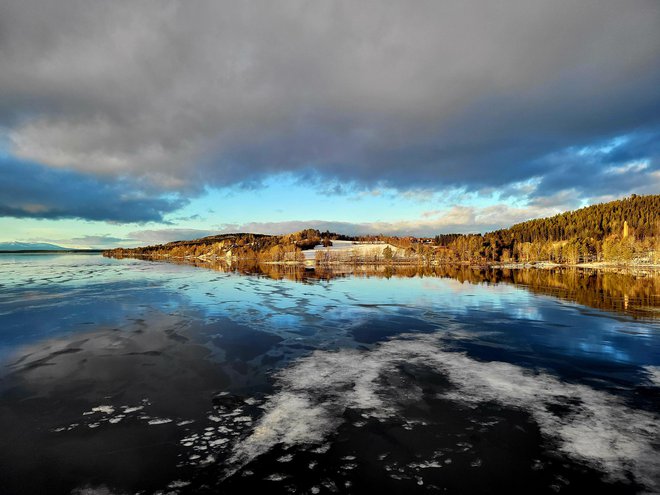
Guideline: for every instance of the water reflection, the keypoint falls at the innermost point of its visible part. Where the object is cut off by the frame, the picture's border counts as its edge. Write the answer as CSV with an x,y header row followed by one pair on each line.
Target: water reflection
x,y
128,376
631,291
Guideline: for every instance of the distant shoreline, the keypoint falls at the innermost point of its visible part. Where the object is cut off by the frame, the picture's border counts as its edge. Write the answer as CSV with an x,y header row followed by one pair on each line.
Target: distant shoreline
x,y
593,265
311,264
54,251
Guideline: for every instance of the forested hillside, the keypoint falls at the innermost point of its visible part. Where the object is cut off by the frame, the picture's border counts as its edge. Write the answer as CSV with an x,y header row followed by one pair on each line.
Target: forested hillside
x,y
623,231
597,222
258,247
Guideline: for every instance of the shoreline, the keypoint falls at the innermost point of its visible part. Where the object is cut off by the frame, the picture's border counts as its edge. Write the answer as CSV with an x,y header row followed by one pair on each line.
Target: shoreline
x,y
312,264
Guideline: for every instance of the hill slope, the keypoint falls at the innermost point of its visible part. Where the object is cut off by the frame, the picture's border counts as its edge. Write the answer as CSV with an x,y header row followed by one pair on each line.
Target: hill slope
x,y
597,221
623,231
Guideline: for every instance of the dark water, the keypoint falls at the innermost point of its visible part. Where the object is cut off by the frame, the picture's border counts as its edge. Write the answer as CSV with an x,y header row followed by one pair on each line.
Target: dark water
x,y
127,376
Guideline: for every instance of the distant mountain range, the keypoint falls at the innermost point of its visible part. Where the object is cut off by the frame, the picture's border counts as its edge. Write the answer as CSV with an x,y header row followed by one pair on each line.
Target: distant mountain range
x,y
30,246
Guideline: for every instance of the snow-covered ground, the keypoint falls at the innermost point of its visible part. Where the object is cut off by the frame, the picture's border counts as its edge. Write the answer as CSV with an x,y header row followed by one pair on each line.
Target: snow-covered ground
x,y
351,247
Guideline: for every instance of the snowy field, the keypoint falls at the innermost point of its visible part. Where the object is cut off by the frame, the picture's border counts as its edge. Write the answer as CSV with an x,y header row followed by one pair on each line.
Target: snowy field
x,y
357,248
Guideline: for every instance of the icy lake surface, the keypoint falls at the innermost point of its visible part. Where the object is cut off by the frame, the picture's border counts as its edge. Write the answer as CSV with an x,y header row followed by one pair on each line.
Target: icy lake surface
x,y
128,376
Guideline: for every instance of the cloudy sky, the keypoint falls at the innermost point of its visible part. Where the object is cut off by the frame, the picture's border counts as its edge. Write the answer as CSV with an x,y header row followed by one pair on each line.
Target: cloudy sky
x,y
125,123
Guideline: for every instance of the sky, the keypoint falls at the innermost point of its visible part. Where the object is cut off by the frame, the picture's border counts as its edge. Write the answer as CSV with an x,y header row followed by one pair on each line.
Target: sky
x,y
127,123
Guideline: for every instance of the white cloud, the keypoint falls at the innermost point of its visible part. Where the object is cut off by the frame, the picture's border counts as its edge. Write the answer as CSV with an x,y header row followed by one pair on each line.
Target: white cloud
x,y
160,236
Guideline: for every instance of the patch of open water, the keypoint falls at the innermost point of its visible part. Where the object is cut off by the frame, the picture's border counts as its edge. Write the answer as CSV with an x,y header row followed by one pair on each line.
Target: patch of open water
x,y
125,376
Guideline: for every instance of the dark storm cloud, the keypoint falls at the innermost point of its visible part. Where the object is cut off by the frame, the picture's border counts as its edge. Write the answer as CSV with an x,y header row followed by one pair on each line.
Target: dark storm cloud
x,y
631,163
431,94
29,190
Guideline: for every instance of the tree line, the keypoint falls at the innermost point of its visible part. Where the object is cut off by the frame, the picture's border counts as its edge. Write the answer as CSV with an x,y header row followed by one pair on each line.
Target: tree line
x,y
625,230
622,231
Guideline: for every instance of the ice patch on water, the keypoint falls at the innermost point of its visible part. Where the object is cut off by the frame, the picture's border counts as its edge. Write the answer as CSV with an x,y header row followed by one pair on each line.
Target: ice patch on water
x,y
598,428
225,422
291,419
110,415
209,459
159,421
432,464
243,419
93,490
100,409
130,409
276,477
218,442
178,484
653,374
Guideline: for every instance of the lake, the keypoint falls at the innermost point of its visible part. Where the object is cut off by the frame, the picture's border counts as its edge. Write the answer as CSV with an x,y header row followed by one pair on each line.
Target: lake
x,y
130,376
